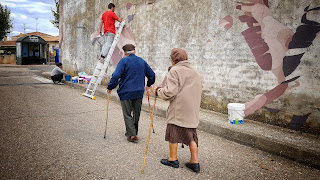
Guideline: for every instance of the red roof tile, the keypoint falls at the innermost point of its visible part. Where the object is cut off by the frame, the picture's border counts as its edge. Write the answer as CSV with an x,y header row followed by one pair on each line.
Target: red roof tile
x,y
51,39
36,34
46,37
8,43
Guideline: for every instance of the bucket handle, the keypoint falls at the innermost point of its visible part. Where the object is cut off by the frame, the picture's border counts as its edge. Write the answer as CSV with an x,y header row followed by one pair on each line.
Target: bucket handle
x,y
242,114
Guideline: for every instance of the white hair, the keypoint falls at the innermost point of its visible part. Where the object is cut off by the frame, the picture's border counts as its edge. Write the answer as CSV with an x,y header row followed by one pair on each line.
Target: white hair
x,y
130,52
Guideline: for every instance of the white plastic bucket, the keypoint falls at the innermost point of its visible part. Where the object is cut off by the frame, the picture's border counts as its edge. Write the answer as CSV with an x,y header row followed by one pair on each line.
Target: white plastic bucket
x,y
74,79
236,113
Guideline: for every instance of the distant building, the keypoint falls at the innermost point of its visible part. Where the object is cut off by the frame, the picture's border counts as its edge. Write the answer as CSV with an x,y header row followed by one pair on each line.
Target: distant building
x,y
42,49
53,41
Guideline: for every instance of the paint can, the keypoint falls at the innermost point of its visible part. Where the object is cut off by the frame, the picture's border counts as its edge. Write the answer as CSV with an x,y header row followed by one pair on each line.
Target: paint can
x,y
68,77
74,79
80,80
88,78
236,113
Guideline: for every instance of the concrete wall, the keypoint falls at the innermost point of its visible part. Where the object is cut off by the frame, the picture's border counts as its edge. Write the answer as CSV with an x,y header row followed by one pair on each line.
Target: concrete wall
x,y
232,68
8,59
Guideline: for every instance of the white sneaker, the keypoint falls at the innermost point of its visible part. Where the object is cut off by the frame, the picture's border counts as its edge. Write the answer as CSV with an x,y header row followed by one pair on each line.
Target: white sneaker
x,y
60,83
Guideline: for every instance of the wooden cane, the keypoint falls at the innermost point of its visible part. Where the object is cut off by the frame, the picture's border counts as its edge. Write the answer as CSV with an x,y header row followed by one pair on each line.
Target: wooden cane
x,y
105,130
150,110
145,154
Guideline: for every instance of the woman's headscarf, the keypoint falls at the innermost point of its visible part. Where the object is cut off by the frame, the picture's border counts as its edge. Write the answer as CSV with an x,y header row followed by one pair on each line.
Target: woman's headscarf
x,y
178,55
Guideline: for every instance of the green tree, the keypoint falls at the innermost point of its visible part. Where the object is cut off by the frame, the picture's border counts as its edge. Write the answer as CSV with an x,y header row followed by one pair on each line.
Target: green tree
x,y
55,13
5,21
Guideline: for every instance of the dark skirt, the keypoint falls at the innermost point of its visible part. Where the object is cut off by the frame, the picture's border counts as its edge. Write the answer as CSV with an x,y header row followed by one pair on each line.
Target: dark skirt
x,y
177,134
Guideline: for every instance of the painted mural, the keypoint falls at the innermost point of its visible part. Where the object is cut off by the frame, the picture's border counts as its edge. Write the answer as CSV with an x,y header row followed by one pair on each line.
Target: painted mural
x,y
270,43
125,38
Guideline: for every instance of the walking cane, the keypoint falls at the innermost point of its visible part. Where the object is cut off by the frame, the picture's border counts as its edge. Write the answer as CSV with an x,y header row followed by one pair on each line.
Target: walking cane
x,y
105,130
145,155
150,109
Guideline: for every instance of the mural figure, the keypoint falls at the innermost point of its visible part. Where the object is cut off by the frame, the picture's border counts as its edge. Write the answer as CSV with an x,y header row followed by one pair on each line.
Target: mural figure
x,y
125,38
269,41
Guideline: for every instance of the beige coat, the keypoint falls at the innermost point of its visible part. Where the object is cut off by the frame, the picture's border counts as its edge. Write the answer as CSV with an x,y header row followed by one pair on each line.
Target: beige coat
x,y
183,89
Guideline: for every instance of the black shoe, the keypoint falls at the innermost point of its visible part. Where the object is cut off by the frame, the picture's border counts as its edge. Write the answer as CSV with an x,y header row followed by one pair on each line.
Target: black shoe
x,y
174,164
195,167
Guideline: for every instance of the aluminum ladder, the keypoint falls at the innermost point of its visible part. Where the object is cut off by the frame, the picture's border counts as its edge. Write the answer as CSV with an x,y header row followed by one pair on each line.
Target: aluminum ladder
x,y
102,67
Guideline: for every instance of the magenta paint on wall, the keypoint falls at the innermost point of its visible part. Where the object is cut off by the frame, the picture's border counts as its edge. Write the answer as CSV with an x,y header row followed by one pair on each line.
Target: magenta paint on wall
x,y
125,38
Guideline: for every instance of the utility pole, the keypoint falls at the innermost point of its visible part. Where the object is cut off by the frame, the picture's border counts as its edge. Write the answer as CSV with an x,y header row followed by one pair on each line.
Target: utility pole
x,y
36,24
24,28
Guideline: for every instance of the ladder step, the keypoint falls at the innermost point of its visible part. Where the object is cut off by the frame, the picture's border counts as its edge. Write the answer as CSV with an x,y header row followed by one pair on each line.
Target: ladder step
x,y
88,95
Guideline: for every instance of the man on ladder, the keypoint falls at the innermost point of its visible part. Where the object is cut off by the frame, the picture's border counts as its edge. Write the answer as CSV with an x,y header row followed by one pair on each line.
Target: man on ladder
x,y
110,37
108,21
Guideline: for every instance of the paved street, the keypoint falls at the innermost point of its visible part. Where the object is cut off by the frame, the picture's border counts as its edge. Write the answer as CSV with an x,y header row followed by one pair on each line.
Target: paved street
x,y
52,132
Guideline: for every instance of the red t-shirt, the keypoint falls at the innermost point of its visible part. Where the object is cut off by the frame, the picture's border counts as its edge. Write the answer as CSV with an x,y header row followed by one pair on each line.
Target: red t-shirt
x,y
108,19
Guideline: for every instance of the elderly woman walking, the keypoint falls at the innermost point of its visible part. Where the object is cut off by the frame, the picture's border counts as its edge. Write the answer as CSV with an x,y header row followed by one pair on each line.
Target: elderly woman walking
x,y
183,89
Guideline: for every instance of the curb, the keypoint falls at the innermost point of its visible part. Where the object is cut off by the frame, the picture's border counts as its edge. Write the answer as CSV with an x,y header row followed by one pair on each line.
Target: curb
x,y
301,155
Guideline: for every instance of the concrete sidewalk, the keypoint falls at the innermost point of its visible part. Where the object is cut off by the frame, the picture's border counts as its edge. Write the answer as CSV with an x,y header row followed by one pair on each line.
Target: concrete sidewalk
x,y
301,147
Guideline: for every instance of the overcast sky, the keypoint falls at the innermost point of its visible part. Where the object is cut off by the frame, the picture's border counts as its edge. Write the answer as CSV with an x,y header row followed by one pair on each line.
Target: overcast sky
x,y
26,12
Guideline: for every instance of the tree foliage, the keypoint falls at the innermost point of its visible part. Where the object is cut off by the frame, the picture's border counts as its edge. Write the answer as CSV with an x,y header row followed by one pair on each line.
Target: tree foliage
x,y
55,13
5,21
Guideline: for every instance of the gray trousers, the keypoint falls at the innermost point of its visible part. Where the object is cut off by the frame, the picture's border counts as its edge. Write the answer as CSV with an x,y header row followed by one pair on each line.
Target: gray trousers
x,y
108,40
131,113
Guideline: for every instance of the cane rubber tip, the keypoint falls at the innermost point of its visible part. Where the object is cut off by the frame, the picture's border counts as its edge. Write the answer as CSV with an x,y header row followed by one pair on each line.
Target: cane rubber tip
x,y
104,137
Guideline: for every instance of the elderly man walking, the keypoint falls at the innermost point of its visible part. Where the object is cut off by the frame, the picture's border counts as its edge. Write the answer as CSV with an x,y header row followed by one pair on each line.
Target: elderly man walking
x,y
130,75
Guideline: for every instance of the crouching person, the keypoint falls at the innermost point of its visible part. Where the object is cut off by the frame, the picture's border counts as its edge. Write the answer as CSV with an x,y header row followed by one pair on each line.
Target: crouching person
x,y
183,89
57,74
